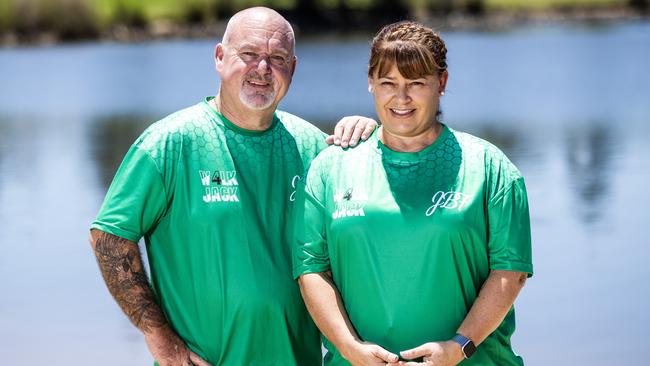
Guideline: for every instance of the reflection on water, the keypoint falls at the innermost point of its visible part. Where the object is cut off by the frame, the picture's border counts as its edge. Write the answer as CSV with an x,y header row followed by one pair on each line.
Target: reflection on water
x,y
507,138
589,154
522,90
111,137
3,144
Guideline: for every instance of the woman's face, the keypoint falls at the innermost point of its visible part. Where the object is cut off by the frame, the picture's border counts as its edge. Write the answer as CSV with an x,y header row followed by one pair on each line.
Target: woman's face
x,y
407,107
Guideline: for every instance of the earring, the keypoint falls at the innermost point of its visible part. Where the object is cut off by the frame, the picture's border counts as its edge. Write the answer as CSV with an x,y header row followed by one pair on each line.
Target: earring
x,y
442,93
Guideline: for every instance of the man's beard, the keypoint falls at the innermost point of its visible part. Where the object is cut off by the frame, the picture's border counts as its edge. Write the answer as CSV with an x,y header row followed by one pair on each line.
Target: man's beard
x,y
255,99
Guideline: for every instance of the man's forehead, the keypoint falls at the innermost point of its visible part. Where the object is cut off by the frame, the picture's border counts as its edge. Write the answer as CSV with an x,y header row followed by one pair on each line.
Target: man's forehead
x,y
256,43
268,24
257,36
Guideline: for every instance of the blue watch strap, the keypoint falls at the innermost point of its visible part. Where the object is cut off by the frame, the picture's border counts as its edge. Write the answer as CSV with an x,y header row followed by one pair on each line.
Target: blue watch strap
x,y
466,345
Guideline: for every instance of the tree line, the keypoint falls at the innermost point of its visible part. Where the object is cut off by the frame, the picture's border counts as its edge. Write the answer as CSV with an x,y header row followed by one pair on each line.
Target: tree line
x,y
88,19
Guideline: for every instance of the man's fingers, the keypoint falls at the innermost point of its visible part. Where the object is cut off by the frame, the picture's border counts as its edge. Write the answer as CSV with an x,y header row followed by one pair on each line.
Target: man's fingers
x,y
367,131
329,139
419,351
384,355
197,360
338,131
356,134
347,132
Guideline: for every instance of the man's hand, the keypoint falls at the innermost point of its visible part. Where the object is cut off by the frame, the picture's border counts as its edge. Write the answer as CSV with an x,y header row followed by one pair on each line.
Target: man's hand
x,y
368,354
434,354
350,129
169,350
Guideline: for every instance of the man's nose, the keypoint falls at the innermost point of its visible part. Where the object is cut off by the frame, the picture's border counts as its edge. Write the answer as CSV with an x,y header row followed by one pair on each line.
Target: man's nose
x,y
263,63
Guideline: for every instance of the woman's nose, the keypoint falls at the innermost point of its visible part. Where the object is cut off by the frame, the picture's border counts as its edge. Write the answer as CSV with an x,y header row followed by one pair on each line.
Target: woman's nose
x,y
402,93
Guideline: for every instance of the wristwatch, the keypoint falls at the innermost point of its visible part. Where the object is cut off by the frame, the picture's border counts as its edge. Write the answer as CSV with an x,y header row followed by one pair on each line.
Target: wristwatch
x,y
466,345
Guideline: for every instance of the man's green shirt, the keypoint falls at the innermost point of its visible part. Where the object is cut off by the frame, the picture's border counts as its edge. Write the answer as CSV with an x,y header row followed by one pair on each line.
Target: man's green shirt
x,y
411,237
214,204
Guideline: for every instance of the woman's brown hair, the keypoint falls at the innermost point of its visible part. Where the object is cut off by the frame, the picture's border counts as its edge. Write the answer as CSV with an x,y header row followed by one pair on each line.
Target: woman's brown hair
x,y
416,50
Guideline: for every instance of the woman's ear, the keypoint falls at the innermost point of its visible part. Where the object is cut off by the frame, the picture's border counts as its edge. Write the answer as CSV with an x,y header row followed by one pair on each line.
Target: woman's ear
x,y
443,82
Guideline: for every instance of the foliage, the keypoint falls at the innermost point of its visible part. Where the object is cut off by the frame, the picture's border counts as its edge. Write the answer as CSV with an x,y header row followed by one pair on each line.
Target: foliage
x,y
74,19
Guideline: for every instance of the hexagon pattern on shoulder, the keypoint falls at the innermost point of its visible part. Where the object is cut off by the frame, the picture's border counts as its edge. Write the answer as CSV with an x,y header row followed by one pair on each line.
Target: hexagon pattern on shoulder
x,y
189,132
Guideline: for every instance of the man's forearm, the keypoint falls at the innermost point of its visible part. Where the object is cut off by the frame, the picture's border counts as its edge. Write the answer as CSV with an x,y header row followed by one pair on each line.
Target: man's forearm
x,y
121,266
492,304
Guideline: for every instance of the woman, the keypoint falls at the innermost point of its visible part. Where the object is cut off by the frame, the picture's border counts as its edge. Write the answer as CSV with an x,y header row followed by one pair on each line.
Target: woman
x,y
417,242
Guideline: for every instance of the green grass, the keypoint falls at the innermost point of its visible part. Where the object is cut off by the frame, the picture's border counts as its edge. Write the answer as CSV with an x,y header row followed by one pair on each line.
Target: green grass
x,y
113,11
550,4
6,16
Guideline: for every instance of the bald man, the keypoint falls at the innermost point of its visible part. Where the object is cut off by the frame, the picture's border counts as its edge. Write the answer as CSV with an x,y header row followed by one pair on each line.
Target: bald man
x,y
212,189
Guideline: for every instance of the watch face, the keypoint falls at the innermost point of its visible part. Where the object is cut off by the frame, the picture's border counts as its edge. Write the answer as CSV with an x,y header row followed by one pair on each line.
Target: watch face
x,y
469,349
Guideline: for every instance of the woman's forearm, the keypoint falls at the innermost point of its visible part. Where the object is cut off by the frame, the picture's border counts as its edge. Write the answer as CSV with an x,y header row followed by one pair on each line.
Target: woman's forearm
x,y
326,308
492,304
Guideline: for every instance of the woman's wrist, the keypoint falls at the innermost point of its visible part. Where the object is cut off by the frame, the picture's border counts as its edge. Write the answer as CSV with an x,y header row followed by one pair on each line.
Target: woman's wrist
x,y
348,347
454,351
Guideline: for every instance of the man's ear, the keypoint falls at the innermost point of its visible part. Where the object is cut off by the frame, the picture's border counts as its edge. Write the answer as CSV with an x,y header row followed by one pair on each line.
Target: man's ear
x,y
218,57
294,61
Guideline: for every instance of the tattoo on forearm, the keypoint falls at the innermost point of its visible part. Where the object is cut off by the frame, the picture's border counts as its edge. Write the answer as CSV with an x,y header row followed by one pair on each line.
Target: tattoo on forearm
x,y
121,266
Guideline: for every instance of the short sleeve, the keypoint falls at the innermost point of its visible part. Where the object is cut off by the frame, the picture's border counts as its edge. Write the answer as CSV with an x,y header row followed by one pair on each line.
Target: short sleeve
x,y
136,199
509,240
310,254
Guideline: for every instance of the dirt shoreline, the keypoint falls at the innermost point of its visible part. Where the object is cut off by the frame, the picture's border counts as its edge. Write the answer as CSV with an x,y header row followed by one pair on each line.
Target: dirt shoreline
x,y
493,21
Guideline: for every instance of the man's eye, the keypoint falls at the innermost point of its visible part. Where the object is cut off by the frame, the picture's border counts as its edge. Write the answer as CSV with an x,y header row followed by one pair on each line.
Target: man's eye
x,y
278,60
248,55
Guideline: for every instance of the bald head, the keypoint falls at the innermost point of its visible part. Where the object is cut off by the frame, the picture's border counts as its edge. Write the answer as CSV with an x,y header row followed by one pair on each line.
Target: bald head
x,y
256,62
258,18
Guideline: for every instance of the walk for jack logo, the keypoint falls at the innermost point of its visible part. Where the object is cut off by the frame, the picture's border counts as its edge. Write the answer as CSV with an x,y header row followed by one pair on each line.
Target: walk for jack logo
x,y
220,185
349,203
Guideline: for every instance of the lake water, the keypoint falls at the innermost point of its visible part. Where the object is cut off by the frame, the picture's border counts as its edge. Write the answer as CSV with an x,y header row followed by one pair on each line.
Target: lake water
x,y
568,104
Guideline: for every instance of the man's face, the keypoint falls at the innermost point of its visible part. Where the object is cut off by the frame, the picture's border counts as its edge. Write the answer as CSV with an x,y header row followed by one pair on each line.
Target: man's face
x,y
256,63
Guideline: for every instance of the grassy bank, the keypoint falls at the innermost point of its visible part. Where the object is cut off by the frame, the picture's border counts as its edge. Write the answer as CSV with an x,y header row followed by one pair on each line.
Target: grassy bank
x,y
65,20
